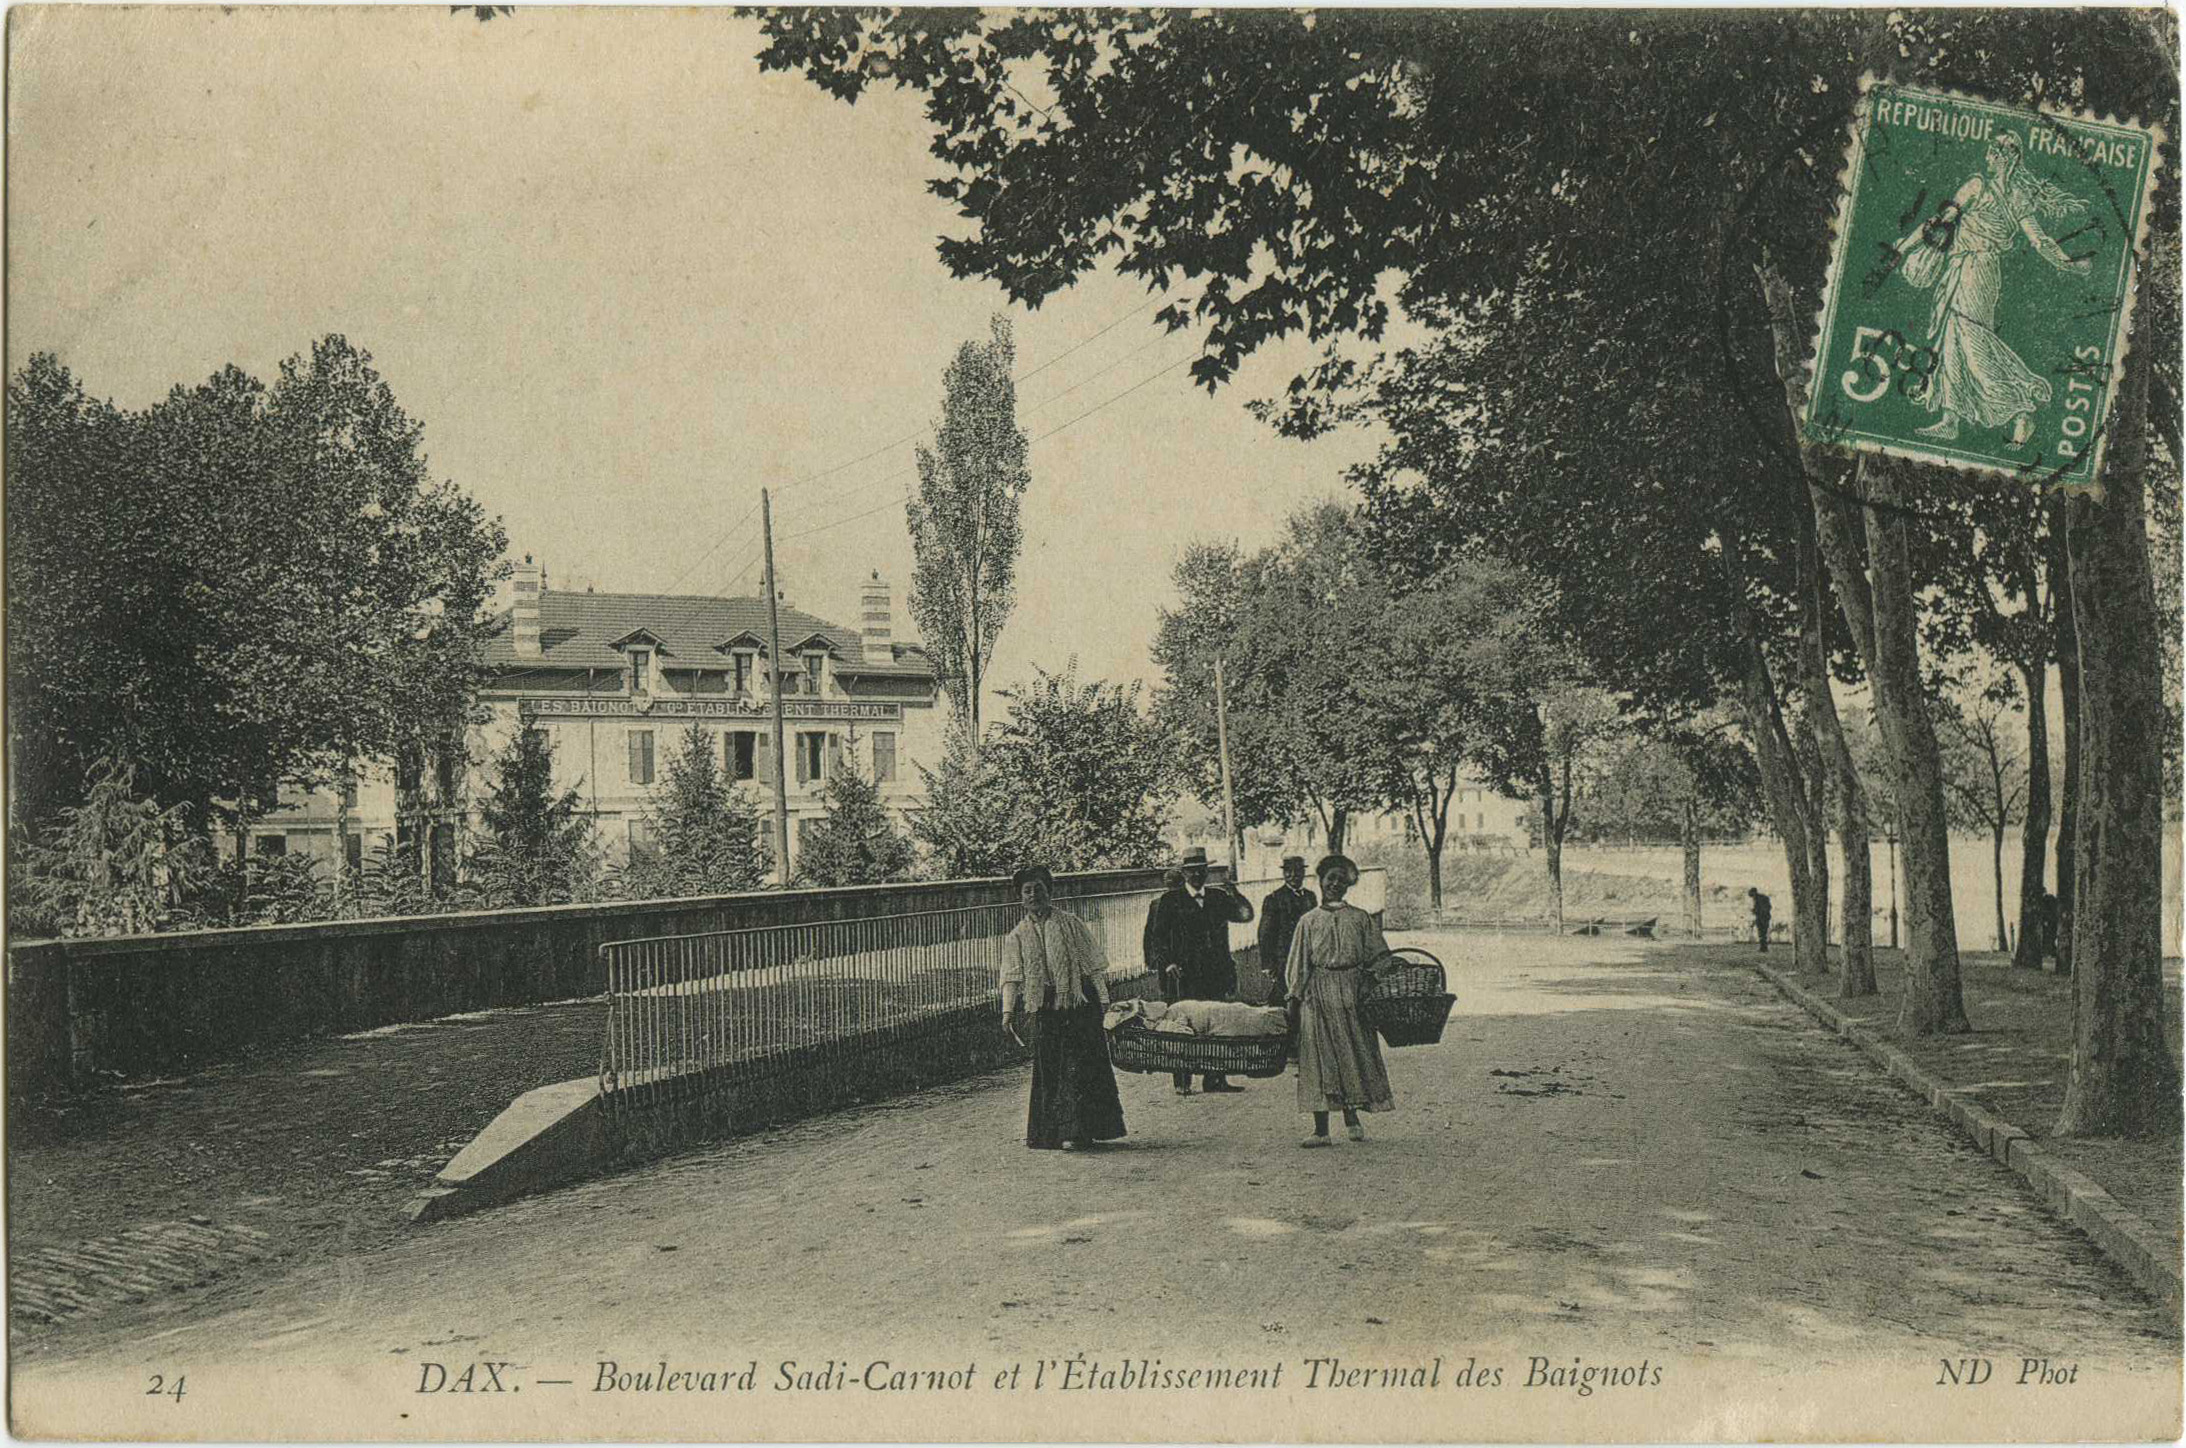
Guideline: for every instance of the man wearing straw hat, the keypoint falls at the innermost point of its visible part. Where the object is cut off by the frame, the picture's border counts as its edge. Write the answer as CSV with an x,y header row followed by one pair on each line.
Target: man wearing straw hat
x,y
1054,989
1187,946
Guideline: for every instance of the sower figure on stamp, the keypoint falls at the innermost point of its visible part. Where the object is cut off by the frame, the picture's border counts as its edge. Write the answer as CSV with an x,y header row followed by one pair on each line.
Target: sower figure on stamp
x,y
1761,909
1280,913
1054,989
1187,946
1339,1061
1977,377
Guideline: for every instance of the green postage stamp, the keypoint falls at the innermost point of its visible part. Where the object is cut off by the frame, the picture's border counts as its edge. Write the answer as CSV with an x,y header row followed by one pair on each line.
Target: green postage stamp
x,y
1981,286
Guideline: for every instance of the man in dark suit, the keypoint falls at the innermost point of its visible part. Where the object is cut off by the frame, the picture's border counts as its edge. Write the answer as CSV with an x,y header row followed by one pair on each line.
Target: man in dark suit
x,y
1279,917
1187,946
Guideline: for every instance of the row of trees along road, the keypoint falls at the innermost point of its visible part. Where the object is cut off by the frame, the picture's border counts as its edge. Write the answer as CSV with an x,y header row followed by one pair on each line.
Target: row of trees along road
x,y
240,585
1613,237
1351,688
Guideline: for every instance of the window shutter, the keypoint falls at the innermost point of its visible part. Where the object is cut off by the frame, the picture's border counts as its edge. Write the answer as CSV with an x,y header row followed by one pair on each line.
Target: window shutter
x,y
834,753
804,760
635,777
762,756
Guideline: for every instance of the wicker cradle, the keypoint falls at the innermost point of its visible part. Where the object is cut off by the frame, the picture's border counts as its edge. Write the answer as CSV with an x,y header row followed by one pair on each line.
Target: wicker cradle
x,y
1133,1047
1404,998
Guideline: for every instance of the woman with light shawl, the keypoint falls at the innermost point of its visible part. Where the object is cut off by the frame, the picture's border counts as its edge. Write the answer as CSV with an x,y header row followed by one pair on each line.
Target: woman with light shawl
x,y
1339,1061
1978,378
1054,990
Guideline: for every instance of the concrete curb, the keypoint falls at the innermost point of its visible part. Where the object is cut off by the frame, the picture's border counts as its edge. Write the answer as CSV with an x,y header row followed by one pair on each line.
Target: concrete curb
x,y
2121,1235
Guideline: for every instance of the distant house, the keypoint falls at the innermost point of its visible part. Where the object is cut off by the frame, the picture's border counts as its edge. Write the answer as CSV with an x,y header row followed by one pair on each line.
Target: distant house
x,y
615,680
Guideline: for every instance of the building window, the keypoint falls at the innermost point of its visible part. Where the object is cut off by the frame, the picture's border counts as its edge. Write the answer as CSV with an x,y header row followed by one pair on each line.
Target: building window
x,y
272,846
1483,821
349,792
811,750
353,851
444,772
641,756
744,661
884,758
815,673
741,754
641,671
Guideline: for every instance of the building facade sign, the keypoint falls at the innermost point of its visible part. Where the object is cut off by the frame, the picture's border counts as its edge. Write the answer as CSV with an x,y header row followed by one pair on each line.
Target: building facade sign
x,y
831,711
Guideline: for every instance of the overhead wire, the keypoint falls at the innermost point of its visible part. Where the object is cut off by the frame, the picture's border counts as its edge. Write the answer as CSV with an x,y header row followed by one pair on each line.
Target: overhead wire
x,y
914,435
758,554
906,496
812,504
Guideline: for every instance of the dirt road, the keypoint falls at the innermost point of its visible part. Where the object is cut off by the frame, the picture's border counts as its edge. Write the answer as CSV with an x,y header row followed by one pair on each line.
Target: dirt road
x,y
1607,1162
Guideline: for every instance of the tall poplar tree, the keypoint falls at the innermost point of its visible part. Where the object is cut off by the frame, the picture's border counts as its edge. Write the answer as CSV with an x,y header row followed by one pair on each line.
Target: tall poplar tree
x,y
965,533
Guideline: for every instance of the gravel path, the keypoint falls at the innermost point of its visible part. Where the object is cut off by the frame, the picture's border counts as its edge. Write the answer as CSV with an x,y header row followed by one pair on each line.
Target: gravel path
x,y
1612,1158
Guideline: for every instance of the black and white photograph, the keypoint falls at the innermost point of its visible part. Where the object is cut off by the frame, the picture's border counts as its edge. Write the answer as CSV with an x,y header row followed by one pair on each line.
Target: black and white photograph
x,y
1134,725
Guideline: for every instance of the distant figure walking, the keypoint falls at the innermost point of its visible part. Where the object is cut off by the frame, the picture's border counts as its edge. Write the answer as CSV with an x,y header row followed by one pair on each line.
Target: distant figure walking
x,y
1339,1061
1760,917
1187,946
1280,913
1054,987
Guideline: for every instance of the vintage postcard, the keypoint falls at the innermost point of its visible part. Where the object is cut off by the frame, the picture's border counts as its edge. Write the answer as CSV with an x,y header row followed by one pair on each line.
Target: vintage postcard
x,y
1123,725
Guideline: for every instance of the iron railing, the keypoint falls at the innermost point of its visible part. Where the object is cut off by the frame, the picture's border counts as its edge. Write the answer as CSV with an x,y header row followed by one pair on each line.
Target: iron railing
x,y
688,1015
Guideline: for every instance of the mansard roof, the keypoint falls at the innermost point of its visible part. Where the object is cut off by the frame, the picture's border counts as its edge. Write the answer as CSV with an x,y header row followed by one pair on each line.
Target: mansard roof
x,y
583,631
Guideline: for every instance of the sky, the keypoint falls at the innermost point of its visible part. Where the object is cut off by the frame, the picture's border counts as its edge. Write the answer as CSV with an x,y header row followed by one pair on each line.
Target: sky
x,y
625,281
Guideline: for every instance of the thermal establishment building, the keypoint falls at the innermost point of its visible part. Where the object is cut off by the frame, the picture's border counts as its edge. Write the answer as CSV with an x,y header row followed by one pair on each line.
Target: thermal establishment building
x,y
616,681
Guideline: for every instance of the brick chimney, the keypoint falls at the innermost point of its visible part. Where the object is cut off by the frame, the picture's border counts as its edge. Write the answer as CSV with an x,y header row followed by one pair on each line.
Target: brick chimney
x,y
529,584
877,628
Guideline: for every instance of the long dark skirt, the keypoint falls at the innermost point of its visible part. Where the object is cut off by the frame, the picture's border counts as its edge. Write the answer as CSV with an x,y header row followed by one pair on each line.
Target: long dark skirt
x,y
1073,1086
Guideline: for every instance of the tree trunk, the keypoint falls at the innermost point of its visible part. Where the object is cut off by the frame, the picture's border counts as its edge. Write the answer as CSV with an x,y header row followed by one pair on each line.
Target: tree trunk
x,y
1819,730
1996,858
1933,1003
1855,842
1810,908
1856,963
2123,1081
2034,835
1690,840
2068,811
1883,617
1339,821
1779,775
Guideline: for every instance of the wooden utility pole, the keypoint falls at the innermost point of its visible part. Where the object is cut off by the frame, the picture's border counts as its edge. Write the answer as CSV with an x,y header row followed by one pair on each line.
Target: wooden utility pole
x,y
1229,798
774,688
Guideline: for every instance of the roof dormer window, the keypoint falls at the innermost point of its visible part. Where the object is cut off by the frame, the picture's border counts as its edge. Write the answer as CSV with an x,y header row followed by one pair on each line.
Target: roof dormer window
x,y
641,651
815,673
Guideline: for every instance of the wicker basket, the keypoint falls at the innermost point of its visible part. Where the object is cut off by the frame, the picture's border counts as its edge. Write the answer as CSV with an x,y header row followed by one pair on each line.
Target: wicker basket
x,y
1132,1047
1403,997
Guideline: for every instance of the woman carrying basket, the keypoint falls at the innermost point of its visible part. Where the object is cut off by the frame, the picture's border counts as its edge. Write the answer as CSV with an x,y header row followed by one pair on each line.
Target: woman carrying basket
x,y
1339,1062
